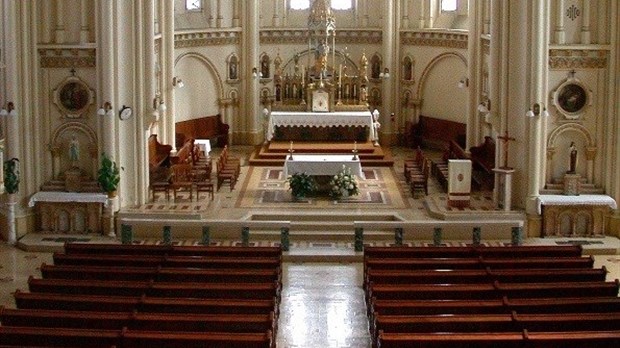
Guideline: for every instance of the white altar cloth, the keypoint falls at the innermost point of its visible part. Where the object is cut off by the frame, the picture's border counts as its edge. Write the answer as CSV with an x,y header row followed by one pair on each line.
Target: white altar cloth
x,y
82,197
575,200
322,165
320,119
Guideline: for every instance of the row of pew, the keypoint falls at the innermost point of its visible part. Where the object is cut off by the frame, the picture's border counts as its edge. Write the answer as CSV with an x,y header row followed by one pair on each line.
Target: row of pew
x,y
115,295
515,296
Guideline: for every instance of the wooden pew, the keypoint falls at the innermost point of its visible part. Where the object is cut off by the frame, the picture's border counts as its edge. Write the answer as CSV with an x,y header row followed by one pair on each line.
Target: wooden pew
x,y
116,249
422,263
165,274
564,305
432,307
54,337
538,262
433,291
171,250
167,261
138,321
581,339
530,251
444,323
50,301
419,252
548,275
558,289
141,339
452,340
464,252
568,321
157,289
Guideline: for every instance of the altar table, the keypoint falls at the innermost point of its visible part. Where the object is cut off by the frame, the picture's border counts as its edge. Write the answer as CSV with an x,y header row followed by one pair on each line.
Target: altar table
x,y
570,216
69,212
322,165
320,119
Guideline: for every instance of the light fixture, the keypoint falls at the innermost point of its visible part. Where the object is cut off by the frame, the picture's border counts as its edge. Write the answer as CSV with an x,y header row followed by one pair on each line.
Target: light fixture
x,y
375,114
537,110
9,111
385,74
256,74
105,109
177,82
463,82
265,112
158,104
484,106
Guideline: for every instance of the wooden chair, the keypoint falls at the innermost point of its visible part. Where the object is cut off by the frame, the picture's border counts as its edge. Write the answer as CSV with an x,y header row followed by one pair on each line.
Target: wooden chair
x,y
420,182
225,175
205,186
161,186
182,179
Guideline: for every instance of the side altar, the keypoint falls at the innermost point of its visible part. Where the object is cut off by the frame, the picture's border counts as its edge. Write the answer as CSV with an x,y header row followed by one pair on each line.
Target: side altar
x,y
361,120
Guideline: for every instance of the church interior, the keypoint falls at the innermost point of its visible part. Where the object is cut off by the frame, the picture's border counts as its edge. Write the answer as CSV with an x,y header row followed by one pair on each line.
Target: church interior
x,y
349,142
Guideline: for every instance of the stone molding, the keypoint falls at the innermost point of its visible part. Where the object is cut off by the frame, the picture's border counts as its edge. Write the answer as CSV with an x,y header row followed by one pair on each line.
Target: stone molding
x,y
577,59
68,57
300,36
435,38
203,38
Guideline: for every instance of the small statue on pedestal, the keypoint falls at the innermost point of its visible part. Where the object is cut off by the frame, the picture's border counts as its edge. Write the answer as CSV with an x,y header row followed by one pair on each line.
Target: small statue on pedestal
x,y
572,164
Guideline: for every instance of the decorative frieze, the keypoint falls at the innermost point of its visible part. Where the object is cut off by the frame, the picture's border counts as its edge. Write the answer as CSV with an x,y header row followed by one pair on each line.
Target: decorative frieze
x,y
68,57
577,59
435,38
300,36
199,39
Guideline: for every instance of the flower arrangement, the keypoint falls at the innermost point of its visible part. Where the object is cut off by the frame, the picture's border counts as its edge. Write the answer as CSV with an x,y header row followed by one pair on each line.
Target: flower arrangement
x,y
301,184
343,184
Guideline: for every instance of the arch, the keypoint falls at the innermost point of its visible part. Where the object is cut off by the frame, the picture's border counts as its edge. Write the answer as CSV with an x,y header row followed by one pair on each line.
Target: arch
x,y
210,66
431,65
555,134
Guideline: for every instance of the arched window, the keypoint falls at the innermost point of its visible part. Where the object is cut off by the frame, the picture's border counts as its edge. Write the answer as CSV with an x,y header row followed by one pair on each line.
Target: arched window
x,y
448,5
193,5
342,4
299,4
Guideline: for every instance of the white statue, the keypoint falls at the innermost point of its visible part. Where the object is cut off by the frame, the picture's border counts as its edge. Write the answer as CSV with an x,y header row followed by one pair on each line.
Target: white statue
x,y
74,151
376,125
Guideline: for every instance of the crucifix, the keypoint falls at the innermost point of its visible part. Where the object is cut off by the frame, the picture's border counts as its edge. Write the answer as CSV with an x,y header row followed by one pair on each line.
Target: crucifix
x,y
505,138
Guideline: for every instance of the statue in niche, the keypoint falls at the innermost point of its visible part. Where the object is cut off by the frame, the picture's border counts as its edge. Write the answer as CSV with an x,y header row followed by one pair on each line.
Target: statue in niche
x,y
572,164
74,151
408,70
232,69
264,67
375,67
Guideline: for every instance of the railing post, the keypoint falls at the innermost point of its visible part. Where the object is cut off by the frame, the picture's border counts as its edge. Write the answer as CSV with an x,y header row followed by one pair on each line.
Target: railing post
x,y
206,236
359,239
476,234
398,236
167,235
126,234
517,235
245,236
437,236
284,240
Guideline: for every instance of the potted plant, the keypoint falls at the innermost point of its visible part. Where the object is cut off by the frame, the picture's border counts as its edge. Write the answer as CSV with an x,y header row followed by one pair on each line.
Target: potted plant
x,y
11,176
301,185
109,176
343,184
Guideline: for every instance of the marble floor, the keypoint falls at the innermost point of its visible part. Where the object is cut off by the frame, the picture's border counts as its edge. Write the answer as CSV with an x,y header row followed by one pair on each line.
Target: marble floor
x,y
322,303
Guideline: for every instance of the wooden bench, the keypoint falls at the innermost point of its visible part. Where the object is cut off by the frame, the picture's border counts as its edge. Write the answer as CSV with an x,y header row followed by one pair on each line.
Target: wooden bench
x,y
433,291
452,340
564,305
141,339
422,263
28,300
436,133
581,339
429,307
568,321
54,337
139,321
558,289
538,262
466,251
444,323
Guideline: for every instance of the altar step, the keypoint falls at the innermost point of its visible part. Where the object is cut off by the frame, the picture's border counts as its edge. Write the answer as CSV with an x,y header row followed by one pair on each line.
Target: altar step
x,y
275,152
585,188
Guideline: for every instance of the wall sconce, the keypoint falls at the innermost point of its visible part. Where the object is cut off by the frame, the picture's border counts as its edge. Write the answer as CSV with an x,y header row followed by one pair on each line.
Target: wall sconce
x,y
177,82
536,110
464,82
484,106
105,109
256,74
158,104
9,111
385,74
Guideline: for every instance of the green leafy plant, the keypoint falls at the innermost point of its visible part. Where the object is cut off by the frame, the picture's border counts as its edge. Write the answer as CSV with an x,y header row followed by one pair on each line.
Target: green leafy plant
x,y
301,185
108,175
11,175
343,184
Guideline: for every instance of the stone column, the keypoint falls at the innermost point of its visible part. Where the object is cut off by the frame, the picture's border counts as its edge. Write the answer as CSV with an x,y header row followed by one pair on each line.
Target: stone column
x,y
84,31
474,64
251,97
405,20
220,17
46,21
168,57
235,21
276,13
560,38
422,20
366,17
212,13
390,84
106,61
59,33
590,157
585,24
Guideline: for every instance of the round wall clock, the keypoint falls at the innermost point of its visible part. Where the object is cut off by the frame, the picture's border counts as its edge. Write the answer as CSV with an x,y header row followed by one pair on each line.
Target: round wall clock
x,y
125,113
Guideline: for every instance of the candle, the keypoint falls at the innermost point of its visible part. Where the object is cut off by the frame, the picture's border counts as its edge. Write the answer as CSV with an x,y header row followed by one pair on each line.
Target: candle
x,y
291,148
340,75
303,76
355,145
